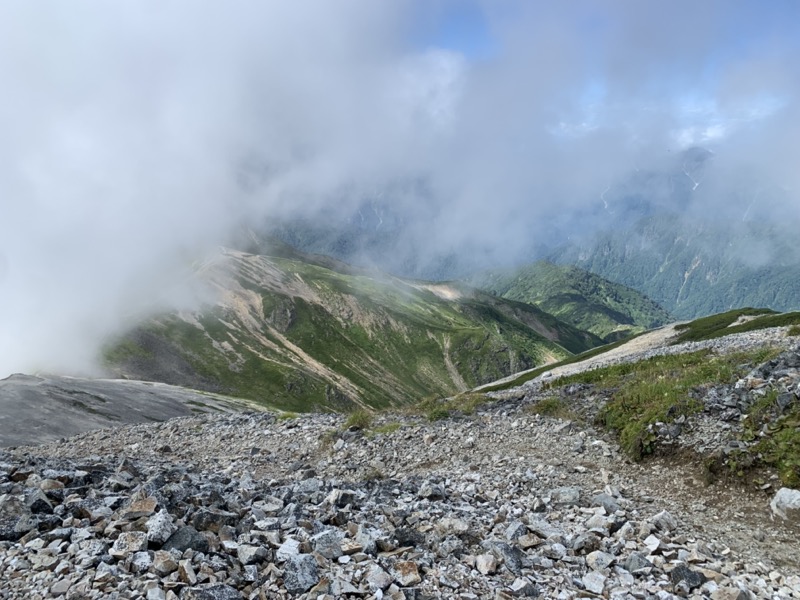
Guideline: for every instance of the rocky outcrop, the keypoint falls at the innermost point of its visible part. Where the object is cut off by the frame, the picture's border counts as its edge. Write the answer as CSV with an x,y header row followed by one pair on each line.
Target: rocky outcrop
x,y
39,409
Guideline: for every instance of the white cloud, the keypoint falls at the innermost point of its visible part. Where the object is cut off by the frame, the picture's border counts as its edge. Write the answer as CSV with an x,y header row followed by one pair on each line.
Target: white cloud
x,y
126,127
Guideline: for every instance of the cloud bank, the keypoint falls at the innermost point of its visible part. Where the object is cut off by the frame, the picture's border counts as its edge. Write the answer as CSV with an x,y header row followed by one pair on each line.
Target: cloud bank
x,y
137,134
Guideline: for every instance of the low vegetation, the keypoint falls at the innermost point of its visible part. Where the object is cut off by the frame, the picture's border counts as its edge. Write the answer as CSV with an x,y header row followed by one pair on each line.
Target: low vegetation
x,y
534,373
555,407
436,409
778,436
358,420
578,297
722,324
301,336
658,390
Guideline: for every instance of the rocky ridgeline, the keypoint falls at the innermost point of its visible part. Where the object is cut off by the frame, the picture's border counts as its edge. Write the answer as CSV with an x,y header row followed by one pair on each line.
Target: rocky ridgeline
x,y
502,504
739,342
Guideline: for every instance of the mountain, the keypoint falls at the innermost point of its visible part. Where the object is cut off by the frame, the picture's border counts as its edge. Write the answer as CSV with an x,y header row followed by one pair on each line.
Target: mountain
x,y
302,332
689,231
577,297
694,267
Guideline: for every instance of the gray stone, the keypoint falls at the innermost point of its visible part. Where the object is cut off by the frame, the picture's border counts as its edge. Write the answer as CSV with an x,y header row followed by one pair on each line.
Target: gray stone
x,y
164,563
608,502
160,527
289,548
664,521
37,501
15,518
211,592
250,555
566,496
60,587
300,573
207,519
486,563
452,526
594,582
328,544
431,491
186,538
523,588
105,573
512,557
367,538
598,560
378,579
729,593
141,562
635,562
128,543
682,573
156,593
786,504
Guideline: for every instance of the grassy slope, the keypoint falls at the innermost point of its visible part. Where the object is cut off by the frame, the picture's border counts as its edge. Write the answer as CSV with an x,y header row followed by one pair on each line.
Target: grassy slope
x,y
305,334
660,390
722,324
578,297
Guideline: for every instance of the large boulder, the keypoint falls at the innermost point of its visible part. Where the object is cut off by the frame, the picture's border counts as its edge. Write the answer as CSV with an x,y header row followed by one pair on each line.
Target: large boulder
x,y
786,504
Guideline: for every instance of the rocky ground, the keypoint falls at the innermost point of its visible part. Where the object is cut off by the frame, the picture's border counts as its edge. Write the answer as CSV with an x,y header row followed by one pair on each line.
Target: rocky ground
x,y
499,504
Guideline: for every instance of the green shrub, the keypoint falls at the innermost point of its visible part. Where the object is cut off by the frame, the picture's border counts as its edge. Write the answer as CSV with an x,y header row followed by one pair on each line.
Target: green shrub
x,y
553,407
358,419
437,413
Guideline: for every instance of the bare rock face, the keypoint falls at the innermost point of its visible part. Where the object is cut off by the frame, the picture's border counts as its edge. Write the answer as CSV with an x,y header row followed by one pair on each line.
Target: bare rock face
x,y
46,408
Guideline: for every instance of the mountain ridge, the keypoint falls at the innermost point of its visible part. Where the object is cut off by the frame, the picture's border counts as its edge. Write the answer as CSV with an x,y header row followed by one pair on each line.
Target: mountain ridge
x,y
578,297
307,335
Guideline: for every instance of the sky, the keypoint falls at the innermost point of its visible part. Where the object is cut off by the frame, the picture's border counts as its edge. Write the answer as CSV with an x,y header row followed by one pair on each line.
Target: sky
x,y
137,134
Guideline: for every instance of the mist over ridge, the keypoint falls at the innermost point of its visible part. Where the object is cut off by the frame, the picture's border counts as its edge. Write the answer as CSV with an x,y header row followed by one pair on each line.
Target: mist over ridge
x,y
139,135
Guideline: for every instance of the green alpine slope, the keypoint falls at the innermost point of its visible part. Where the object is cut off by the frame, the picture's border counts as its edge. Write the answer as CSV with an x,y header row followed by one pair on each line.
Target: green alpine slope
x,y
304,332
577,297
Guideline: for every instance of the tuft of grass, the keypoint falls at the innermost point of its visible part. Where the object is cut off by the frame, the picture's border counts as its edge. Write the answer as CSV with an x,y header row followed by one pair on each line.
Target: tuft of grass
x,y
374,474
328,439
437,414
794,331
286,416
555,407
386,428
659,390
436,409
778,437
358,419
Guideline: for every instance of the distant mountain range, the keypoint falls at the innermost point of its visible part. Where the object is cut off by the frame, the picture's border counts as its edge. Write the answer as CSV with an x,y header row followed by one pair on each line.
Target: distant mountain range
x,y
693,238
694,268
577,297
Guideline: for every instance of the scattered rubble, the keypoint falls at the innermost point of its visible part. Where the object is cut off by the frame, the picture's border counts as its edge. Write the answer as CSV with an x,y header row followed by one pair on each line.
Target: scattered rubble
x,y
501,504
